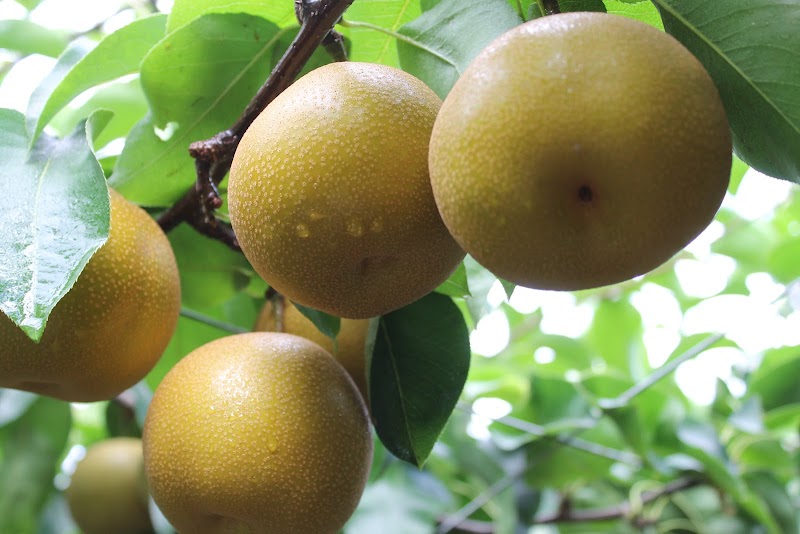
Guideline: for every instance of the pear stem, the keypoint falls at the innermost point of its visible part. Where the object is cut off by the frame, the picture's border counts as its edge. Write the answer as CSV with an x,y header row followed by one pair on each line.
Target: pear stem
x,y
213,156
549,7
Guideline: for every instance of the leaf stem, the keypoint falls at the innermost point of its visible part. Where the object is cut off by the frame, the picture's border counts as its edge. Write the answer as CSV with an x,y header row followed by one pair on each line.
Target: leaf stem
x,y
205,319
625,397
549,7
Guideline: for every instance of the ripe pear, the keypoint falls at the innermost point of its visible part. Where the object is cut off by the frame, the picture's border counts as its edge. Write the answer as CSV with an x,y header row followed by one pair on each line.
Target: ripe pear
x,y
350,346
330,196
580,150
108,490
110,329
263,433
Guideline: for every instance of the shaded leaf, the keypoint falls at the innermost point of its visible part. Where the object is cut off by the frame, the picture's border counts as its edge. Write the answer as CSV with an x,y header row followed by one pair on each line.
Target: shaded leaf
x,y
445,39
14,403
57,216
566,6
419,365
325,323
26,37
84,65
33,446
755,71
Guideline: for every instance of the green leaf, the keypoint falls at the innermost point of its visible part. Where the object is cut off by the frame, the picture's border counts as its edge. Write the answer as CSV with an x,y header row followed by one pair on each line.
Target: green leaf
x,y
616,334
774,494
402,501
702,443
445,39
29,4
751,48
33,446
83,66
534,12
211,273
749,417
222,60
185,11
419,366
57,216
124,99
370,45
26,37
327,324
456,285
641,10
775,381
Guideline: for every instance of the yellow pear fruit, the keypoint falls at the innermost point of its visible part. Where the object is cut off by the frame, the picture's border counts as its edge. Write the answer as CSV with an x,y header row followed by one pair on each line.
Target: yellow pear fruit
x,y
258,433
330,195
108,490
580,150
350,343
110,329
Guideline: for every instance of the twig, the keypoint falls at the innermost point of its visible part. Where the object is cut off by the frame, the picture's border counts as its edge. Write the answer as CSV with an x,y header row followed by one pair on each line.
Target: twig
x,y
213,156
210,321
625,397
568,440
617,511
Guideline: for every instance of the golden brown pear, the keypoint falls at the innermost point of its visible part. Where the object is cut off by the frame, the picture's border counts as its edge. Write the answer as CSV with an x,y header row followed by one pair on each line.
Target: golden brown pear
x,y
580,150
350,343
330,196
108,491
257,433
110,329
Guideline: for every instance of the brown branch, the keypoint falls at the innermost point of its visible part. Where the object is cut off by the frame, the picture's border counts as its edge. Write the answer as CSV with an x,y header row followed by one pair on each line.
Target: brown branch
x,y
213,156
617,511
567,514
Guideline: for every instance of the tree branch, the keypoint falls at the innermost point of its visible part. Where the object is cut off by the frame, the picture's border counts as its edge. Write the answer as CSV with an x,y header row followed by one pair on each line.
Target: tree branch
x,y
213,156
617,511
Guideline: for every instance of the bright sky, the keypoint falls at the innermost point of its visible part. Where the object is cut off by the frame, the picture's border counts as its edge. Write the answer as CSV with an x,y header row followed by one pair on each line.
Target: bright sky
x,y
749,320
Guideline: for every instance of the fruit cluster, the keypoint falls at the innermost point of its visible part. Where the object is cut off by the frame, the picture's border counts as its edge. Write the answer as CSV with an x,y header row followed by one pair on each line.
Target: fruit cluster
x,y
577,150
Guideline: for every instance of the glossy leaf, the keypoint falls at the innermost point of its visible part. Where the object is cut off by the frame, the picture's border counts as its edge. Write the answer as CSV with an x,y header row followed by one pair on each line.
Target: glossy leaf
x,y
84,65
30,457
222,59
57,216
444,40
755,71
642,10
27,37
419,365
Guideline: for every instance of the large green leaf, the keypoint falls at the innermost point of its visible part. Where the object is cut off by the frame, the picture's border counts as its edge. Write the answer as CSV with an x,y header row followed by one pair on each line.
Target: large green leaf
x,y
419,366
33,445
616,334
751,48
26,37
198,80
124,99
185,11
56,217
84,65
442,42
775,381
